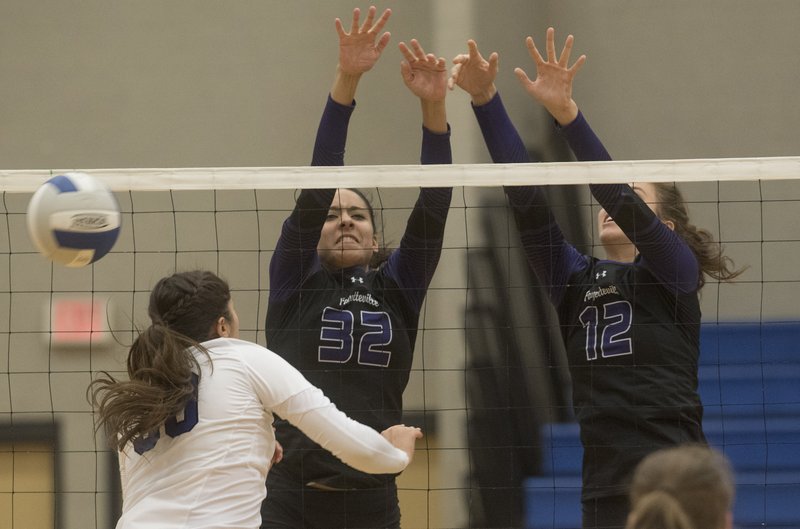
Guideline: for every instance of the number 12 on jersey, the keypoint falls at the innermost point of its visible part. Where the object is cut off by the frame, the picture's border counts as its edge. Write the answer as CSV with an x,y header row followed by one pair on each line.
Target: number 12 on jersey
x,y
607,335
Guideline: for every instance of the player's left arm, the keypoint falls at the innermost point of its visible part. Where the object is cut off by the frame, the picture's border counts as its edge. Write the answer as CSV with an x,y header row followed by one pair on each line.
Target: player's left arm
x,y
282,389
663,251
295,256
414,262
476,75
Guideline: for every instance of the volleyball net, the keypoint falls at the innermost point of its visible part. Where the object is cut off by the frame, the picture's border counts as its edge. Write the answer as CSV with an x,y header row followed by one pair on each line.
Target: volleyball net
x,y
489,382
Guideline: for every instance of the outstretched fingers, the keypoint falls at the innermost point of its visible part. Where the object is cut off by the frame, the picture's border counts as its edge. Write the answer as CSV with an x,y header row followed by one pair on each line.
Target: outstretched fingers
x,y
563,60
477,58
474,54
383,42
365,27
416,54
551,45
370,26
340,28
494,59
419,53
522,76
375,29
406,51
354,24
533,51
577,66
566,52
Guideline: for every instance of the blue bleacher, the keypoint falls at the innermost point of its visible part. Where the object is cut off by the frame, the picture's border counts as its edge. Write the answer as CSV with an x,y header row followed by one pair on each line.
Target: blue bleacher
x,y
750,387
553,499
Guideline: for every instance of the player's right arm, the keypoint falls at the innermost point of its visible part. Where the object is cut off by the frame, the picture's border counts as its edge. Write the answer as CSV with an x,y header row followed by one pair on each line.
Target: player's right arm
x,y
295,254
413,264
356,444
359,51
476,76
548,253
283,390
666,253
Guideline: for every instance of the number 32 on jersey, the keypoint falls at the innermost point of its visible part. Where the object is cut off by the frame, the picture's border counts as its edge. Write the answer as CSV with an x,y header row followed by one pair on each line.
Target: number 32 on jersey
x,y
338,345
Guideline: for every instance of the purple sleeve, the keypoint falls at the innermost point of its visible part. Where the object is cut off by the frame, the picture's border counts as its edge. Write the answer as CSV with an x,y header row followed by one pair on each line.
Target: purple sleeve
x,y
662,250
502,139
332,134
583,141
549,255
413,263
295,256
435,148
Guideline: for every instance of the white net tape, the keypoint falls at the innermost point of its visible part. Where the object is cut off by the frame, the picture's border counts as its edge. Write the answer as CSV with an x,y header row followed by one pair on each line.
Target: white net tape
x,y
561,173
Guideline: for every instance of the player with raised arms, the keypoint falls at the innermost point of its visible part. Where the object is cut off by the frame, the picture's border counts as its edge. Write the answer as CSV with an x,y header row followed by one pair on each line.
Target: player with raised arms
x,y
193,422
337,313
630,322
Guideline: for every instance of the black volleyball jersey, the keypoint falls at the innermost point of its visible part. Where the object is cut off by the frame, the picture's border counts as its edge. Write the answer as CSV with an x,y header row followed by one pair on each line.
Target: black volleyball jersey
x,y
631,330
633,347
351,332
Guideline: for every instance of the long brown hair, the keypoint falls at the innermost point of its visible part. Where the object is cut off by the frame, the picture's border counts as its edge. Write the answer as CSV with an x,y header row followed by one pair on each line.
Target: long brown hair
x,y
184,309
709,253
683,487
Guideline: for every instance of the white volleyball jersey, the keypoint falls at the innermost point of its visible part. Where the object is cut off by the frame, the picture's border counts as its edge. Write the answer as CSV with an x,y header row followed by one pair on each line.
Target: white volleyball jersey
x,y
208,468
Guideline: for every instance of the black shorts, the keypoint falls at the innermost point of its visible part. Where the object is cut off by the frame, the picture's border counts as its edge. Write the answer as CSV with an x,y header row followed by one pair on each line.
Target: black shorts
x,y
290,506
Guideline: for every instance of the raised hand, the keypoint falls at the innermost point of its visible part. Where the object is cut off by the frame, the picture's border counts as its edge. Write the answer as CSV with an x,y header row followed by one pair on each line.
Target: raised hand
x,y
474,74
424,74
361,48
553,84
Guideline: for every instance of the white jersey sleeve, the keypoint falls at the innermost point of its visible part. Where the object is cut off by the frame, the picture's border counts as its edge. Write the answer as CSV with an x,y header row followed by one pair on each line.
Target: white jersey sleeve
x,y
285,391
357,445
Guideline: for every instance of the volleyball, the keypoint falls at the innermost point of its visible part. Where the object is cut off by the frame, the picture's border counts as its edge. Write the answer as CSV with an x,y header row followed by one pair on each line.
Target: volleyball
x,y
73,219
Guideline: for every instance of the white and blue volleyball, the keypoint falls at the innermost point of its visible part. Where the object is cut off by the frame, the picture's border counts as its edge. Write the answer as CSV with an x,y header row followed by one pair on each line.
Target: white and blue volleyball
x,y
74,219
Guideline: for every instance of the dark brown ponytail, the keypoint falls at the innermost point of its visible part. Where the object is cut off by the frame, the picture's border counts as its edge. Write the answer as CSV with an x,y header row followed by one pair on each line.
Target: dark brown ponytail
x,y
184,309
709,252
